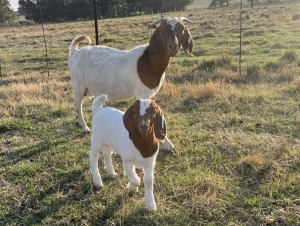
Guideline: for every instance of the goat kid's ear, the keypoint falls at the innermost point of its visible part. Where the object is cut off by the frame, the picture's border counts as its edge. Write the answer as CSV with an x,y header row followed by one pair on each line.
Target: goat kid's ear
x,y
187,42
129,124
160,126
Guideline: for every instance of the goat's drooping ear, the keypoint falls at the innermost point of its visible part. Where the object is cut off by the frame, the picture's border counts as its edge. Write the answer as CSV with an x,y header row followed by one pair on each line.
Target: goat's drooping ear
x,y
129,123
160,126
187,42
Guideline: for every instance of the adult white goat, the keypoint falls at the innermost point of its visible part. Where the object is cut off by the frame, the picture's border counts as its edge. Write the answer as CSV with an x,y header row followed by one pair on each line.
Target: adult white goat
x,y
133,136
138,73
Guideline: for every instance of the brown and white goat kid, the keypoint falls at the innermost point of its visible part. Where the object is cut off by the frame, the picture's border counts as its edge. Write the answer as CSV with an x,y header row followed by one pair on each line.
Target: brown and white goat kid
x,y
133,135
139,72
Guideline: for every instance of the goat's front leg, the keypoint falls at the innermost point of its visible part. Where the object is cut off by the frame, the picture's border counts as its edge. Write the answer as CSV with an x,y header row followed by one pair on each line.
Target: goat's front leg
x,y
134,180
148,183
94,157
107,152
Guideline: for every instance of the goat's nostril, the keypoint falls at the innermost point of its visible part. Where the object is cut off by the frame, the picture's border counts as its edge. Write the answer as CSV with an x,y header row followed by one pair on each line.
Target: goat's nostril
x,y
174,46
144,127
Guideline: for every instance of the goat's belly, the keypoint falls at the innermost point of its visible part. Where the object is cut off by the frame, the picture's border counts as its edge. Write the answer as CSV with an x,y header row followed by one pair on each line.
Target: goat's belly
x,y
114,92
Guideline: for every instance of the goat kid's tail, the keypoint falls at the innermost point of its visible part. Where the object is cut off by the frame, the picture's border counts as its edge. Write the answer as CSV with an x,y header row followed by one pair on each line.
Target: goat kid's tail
x,y
76,41
98,102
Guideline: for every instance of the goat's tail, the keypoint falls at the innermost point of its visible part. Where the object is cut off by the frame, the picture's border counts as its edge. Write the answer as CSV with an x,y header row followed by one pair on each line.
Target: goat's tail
x,y
98,102
76,41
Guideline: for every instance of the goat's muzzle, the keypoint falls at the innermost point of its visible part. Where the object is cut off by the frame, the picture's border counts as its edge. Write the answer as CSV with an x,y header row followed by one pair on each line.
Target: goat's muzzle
x,y
144,129
173,49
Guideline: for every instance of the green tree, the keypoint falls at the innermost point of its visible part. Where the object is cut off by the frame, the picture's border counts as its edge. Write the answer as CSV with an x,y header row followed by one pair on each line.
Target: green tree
x,y
6,13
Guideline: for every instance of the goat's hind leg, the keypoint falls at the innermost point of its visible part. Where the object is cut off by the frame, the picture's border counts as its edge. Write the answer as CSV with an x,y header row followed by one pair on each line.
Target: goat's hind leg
x,y
94,157
107,152
79,93
167,145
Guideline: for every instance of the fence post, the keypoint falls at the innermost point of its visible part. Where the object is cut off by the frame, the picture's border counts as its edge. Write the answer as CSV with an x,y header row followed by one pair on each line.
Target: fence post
x,y
47,64
161,8
1,71
240,58
96,22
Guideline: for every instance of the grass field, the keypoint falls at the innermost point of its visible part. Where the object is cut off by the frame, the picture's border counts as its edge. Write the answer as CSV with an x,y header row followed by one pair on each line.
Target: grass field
x,y
237,157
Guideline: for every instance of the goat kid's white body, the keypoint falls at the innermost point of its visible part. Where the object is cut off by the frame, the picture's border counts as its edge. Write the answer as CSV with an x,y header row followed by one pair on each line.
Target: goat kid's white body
x,y
99,69
110,135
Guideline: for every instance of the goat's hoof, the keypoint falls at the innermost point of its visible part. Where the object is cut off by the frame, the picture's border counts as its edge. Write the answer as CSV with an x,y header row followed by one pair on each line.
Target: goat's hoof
x,y
86,130
167,146
132,187
98,184
112,175
151,207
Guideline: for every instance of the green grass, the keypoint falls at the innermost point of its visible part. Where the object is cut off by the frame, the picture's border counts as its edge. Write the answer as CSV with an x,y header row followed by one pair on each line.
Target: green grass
x,y
237,143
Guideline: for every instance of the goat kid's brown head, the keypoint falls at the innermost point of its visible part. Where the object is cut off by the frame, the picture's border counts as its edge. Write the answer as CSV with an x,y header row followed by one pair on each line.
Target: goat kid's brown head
x,y
144,118
175,34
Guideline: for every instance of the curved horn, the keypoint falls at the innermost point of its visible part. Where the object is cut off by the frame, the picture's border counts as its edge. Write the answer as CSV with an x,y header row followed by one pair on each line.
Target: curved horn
x,y
156,22
184,19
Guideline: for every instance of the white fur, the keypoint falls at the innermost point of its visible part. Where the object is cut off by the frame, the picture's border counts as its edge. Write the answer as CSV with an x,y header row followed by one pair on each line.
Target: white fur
x,y
98,69
172,22
110,135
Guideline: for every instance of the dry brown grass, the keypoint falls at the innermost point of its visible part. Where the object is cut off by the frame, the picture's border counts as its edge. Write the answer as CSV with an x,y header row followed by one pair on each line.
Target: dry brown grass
x,y
53,94
203,92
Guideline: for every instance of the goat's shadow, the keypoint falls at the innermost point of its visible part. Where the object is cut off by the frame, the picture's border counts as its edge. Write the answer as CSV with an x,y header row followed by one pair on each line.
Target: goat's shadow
x,y
113,207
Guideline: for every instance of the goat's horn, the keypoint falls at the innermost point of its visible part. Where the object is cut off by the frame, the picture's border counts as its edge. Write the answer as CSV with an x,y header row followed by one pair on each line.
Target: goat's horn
x,y
156,22
184,19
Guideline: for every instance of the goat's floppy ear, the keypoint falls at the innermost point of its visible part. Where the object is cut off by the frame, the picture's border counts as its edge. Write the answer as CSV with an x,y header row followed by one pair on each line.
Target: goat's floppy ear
x,y
187,42
129,124
160,126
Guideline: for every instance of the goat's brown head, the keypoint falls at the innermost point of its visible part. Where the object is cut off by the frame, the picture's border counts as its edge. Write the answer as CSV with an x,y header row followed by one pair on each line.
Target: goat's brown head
x,y
144,118
173,33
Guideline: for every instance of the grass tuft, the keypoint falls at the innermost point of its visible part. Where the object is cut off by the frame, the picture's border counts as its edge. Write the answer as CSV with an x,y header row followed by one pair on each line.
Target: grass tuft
x,y
289,56
254,162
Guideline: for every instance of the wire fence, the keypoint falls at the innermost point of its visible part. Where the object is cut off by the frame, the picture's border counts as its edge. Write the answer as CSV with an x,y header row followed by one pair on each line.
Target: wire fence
x,y
230,31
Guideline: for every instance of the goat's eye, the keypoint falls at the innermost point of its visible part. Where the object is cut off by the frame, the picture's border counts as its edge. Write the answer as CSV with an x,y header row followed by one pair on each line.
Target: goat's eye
x,y
134,113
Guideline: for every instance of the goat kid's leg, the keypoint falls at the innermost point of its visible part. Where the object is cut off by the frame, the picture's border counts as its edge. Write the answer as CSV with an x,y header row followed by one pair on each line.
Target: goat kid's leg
x,y
107,152
78,99
148,183
94,157
134,180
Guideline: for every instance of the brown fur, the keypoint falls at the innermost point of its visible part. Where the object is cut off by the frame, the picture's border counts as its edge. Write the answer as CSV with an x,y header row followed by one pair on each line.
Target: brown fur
x,y
146,144
155,59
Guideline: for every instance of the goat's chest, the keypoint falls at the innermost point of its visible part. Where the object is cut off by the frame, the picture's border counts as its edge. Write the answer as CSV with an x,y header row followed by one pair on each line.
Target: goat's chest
x,y
135,158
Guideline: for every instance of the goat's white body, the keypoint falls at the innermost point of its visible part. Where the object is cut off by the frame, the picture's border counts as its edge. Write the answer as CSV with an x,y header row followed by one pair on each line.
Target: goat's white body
x,y
110,135
100,69
108,131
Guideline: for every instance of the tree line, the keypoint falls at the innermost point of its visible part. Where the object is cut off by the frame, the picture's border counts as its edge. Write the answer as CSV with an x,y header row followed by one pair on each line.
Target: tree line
x,y
70,10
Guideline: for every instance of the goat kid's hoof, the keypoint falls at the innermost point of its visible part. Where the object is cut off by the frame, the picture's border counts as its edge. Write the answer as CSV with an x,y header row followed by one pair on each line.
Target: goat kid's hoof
x,y
112,175
151,207
98,184
132,188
